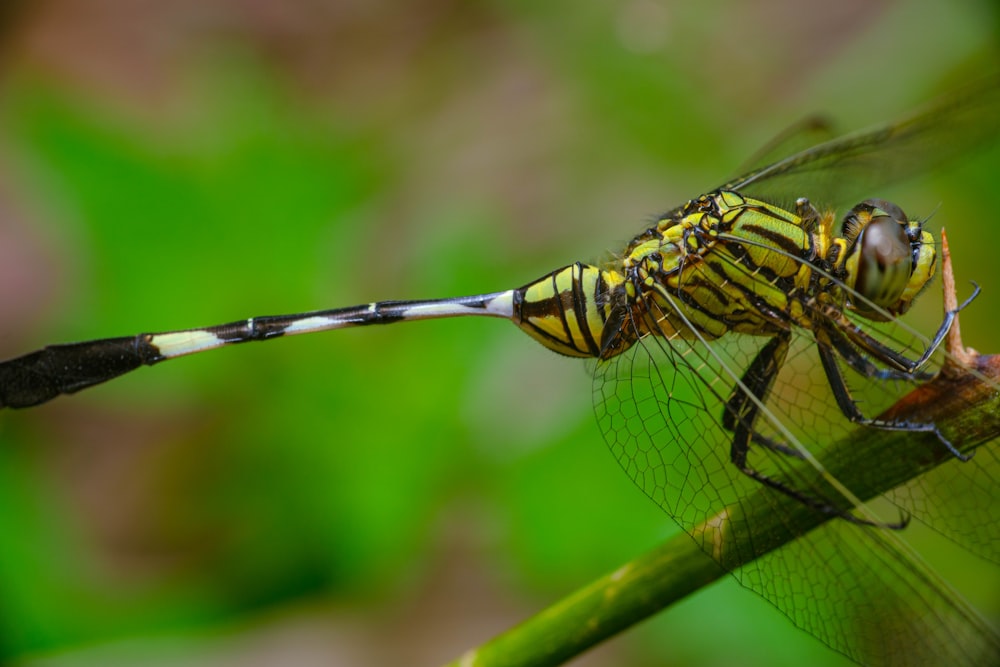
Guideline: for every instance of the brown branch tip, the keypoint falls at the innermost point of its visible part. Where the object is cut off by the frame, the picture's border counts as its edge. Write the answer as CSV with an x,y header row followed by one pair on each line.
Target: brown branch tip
x,y
959,357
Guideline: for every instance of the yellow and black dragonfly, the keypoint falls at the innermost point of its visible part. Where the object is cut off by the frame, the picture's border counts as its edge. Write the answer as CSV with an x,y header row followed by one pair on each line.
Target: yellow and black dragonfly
x,y
731,340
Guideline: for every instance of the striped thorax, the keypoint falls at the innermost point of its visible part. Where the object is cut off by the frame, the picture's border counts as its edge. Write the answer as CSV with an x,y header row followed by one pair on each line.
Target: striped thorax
x,y
727,262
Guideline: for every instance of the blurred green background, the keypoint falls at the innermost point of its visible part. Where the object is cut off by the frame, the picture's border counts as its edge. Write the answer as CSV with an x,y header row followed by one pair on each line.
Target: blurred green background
x,y
384,495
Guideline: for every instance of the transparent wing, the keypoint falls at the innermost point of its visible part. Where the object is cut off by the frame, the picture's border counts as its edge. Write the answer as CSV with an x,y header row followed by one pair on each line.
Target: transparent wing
x,y
665,409
959,502
797,138
850,168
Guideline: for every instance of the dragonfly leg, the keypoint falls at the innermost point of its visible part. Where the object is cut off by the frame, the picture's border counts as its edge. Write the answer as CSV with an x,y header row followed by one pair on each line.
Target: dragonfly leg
x,y
757,379
820,505
864,366
809,214
901,367
831,344
741,412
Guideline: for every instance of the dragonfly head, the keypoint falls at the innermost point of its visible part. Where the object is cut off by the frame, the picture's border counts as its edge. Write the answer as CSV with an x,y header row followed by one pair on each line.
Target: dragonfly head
x,y
890,258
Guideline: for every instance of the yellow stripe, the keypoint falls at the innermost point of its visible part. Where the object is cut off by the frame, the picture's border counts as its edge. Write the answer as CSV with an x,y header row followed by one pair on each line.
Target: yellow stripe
x,y
561,310
565,283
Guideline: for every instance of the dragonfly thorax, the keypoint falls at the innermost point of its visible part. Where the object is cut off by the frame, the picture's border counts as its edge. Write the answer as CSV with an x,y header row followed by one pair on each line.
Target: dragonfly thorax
x,y
722,263
726,262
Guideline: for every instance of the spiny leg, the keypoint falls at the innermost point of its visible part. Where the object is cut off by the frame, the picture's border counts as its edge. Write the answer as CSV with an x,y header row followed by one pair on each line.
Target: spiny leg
x,y
741,413
831,343
757,378
900,366
808,213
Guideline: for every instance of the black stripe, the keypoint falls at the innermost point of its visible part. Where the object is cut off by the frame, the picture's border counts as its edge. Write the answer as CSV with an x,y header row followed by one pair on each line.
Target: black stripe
x,y
602,296
785,284
764,308
752,300
261,328
580,309
547,335
562,310
766,273
777,239
712,286
693,304
376,316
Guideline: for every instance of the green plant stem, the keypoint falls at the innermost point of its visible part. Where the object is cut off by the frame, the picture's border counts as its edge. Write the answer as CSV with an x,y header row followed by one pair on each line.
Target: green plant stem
x,y
964,406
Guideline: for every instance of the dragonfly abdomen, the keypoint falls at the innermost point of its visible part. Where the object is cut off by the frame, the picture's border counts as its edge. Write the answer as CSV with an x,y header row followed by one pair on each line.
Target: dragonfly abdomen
x,y
42,375
567,310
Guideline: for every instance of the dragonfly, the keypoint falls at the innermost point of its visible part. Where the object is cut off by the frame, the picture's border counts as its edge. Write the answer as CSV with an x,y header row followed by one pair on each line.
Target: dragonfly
x,y
724,339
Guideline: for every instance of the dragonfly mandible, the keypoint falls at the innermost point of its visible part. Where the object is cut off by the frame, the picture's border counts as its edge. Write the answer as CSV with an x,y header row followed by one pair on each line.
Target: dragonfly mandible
x,y
724,337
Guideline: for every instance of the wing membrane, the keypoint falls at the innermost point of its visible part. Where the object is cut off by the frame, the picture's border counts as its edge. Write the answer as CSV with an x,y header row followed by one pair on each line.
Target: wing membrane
x,y
662,406
850,168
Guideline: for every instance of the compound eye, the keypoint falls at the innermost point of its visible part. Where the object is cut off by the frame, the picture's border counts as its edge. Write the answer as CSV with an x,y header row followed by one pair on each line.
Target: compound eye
x,y
884,260
859,217
887,208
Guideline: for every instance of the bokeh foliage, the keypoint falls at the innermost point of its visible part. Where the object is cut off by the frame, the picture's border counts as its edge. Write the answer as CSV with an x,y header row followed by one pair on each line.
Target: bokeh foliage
x,y
356,469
